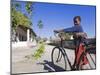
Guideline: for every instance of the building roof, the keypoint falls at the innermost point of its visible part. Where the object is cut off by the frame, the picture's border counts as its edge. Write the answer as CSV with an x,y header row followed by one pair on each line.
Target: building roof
x,y
25,29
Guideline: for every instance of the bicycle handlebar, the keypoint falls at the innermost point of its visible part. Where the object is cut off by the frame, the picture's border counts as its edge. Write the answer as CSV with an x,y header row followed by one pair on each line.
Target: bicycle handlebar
x,y
76,34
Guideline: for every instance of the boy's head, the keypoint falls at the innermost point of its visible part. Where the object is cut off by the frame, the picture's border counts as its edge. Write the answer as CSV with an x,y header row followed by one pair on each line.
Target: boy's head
x,y
77,20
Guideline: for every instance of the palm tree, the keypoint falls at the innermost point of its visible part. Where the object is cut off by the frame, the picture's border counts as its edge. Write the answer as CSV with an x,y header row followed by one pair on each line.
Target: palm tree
x,y
40,25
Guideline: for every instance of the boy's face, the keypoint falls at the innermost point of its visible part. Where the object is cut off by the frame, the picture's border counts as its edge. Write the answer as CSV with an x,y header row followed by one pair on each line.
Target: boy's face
x,y
76,21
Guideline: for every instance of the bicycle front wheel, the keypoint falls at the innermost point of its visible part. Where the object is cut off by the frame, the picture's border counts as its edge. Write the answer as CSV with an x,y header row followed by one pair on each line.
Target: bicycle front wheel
x,y
58,58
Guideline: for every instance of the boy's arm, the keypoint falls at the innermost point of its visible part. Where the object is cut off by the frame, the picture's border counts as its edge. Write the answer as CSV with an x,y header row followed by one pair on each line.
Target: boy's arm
x,y
71,29
57,31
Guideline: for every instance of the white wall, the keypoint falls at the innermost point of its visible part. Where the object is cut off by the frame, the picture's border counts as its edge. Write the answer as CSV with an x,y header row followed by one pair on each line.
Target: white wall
x,y
5,37
19,44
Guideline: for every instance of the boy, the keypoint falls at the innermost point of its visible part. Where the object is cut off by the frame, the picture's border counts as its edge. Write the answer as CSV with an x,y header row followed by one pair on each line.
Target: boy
x,y
77,28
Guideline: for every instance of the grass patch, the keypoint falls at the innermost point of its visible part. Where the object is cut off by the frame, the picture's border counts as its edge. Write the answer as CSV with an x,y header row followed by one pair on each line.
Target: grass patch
x,y
39,51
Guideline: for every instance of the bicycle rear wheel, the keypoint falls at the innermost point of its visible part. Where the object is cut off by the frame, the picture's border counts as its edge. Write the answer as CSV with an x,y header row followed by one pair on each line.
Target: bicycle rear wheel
x,y
90,64
58,58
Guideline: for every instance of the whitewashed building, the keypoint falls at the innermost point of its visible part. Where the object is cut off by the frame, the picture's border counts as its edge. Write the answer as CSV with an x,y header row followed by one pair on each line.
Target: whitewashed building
x,y
24,36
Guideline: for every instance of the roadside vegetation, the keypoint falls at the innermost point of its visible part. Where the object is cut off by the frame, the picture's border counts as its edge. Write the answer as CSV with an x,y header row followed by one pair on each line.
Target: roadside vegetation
x,y
39,52
24,18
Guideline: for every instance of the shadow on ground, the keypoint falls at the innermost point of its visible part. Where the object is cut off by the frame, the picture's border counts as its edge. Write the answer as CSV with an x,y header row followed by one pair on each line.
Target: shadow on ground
x,y
50,67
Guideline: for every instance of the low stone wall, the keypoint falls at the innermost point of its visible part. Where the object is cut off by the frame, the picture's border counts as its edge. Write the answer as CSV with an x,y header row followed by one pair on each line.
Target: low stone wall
x,y
23,44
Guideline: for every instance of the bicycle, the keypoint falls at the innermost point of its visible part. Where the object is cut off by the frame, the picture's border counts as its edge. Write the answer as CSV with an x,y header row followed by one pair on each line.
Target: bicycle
x,y
60,58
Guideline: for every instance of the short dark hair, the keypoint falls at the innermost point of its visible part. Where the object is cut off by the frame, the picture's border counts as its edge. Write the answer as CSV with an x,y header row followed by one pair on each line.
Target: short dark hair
x,y
76,18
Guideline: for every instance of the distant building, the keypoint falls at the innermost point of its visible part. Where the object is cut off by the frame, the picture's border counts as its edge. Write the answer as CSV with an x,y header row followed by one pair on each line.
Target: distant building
x,y
23,35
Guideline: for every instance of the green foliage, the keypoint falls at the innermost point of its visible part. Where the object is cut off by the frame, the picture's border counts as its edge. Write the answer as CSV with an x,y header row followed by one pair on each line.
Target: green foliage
x,y
17,17
39,51
40,24
17,5
28,7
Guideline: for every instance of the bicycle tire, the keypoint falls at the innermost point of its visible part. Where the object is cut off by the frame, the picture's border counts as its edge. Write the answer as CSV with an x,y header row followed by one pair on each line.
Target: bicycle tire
x,y
80,60
53,60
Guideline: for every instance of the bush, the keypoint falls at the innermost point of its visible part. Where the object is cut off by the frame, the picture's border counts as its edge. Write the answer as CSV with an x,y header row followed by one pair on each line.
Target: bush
x,y
39,51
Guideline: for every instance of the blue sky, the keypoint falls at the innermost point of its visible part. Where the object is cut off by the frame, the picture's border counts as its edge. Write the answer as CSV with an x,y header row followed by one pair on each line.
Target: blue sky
x,y
59,16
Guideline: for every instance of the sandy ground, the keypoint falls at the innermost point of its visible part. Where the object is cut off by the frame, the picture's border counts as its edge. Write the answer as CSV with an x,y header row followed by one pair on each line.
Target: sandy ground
x,y
20,64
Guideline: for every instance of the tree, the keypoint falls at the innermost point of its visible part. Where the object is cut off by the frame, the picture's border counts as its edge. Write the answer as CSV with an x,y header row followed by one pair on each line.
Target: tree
x,y
17,17
40,24
29,7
